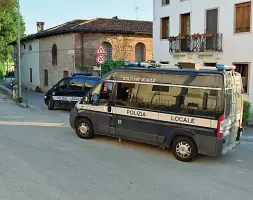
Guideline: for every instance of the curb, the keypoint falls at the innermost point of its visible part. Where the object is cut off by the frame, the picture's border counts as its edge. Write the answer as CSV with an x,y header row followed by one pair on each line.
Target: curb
x,y
23,105
6,89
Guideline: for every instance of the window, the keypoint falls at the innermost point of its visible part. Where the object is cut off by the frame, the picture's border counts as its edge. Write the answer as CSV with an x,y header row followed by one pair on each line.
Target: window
x,y
165,27
31,75
104,90
77,84
108,48
140,52
24,46
165,2
170,99
54,54
185,24
243,16
46,77
64,84
65,74
89,83
136,96
243,69
30,48
210,64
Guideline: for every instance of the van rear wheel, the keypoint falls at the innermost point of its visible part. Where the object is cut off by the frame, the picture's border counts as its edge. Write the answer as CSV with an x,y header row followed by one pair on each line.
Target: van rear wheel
x,y
184,149
84,129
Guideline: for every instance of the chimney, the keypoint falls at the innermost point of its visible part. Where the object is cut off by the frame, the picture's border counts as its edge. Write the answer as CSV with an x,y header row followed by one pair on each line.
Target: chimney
x,y
40,26
116,17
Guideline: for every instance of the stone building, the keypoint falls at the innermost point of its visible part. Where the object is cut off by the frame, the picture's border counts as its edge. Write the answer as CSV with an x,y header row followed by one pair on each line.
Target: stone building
x,y
71,47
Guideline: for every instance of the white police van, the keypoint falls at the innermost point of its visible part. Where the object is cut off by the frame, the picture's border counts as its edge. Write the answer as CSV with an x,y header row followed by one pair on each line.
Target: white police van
x,y
191,111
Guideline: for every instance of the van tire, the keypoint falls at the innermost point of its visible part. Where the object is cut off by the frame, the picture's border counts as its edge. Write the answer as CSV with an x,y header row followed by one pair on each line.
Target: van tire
x,y
184,149
50,104
84,129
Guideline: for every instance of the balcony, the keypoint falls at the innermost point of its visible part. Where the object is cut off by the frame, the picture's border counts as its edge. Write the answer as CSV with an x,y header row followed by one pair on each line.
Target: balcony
x,y
197,43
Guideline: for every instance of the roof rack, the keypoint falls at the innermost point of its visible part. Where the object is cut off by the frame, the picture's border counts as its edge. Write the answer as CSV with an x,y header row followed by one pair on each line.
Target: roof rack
x,y
148,64
82,74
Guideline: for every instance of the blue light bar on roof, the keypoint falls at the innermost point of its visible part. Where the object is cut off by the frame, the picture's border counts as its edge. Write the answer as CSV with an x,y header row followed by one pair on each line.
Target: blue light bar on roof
x,y
82,74
131,64
225,67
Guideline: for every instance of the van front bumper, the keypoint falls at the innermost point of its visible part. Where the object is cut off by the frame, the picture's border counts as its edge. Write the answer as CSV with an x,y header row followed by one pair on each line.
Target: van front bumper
x,y
72,117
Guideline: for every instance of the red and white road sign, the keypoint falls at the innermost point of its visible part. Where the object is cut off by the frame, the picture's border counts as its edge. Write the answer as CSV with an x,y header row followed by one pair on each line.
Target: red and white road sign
x,y
101,59
101,50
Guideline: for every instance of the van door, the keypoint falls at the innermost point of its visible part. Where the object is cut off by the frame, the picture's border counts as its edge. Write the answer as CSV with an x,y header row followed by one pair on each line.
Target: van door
x,y
231,123
135,119
60,92
102,113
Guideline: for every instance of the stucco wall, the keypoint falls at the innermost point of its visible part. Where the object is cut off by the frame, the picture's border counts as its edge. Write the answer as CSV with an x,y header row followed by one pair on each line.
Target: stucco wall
x,y
237,47
65,59
29,60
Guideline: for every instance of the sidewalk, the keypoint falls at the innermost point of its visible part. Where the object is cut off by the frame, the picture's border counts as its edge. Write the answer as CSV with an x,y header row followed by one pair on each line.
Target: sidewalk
x,y
34,99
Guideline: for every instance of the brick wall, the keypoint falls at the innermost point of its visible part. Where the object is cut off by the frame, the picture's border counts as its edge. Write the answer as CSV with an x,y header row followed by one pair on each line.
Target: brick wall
x,y
123,47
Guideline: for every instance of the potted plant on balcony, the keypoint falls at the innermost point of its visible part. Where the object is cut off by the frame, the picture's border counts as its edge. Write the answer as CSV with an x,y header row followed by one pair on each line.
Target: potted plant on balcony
x,y
207,35
195,36
172,38
180,37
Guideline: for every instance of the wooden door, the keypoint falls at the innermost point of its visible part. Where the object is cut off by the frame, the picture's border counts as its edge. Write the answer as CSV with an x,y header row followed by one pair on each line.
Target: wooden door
x,y
185,31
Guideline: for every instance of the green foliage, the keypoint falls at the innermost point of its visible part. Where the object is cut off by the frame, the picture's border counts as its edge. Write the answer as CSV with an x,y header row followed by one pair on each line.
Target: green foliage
x,y
246,110
9,28
6,5
110,65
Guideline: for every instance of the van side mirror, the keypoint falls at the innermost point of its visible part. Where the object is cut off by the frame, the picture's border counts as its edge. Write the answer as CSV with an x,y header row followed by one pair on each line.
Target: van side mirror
x,y
95,99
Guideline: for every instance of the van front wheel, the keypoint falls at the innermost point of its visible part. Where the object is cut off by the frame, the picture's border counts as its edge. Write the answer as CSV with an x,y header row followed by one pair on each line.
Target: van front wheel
x,y
50,104
84,129
184,149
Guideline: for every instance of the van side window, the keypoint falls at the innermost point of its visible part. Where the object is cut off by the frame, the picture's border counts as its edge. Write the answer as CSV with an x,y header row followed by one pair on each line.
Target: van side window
x,y
89,83
137,95
64,84
104,90
77,84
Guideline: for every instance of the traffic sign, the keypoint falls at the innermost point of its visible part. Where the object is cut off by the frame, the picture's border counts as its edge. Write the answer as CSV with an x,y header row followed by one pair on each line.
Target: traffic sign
x,y
101,59
101,50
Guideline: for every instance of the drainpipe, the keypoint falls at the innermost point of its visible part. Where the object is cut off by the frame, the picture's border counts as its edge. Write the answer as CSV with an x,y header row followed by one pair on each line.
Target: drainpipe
x,y
82,55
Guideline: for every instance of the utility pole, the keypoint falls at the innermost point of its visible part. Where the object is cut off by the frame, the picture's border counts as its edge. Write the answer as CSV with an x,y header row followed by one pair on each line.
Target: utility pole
x,y
19,69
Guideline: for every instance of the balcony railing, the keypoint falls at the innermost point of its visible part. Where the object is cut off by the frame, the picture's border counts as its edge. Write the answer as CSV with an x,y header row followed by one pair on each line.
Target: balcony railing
x,y
196,43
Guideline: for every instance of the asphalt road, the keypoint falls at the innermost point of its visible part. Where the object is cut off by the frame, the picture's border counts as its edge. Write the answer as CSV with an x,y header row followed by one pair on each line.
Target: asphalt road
x,y
42,158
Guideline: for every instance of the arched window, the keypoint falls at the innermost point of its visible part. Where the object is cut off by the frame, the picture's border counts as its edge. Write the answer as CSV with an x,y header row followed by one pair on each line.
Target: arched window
x,y
108,48
30,48
54,54
140,52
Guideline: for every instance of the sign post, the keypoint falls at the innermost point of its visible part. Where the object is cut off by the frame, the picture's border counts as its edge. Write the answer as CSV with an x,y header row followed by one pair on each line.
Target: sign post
x,y
101,56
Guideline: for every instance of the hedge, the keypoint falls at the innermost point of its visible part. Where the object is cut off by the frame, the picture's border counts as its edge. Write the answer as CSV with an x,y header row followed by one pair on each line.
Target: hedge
x,y
246,110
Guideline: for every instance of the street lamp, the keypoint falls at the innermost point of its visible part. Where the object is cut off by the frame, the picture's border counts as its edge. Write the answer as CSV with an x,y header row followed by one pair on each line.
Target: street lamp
x,y
19,70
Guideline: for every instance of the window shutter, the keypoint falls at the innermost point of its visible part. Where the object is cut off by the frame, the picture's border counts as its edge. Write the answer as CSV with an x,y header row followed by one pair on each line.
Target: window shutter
x,y
247,15
239,18
164,28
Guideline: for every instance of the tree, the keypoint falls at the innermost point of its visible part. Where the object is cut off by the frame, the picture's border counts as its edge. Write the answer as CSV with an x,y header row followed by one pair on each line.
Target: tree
x,y
9,28
6,5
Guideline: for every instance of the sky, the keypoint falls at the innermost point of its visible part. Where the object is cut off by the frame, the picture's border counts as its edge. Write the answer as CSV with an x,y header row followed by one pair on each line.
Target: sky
x,y
55,12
